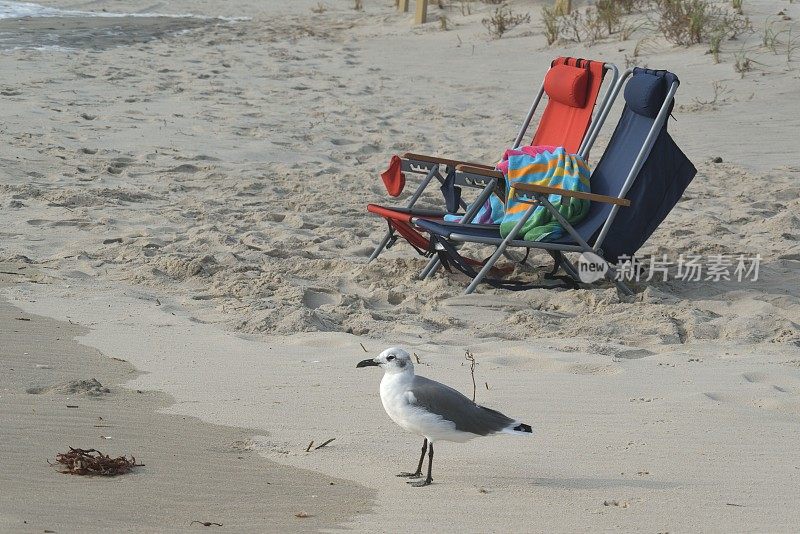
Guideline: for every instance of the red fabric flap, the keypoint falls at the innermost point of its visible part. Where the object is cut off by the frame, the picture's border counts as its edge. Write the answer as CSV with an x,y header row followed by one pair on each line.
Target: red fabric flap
x,y
393,178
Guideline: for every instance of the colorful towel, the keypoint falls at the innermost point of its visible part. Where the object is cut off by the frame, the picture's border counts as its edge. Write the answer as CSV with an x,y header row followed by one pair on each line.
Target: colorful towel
x,y
491,212
493,209
553,168
543,165
530,150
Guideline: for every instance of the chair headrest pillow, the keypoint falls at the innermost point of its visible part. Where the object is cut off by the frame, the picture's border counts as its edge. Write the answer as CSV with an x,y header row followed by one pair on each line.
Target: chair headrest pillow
x,y
644,93
567,84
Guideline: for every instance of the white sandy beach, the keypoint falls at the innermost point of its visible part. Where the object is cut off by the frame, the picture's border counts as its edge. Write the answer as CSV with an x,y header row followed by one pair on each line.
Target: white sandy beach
x,y
195,201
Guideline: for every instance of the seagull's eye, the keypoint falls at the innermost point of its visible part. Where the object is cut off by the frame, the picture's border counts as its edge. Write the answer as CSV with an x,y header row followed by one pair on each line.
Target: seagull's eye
x,y
389,358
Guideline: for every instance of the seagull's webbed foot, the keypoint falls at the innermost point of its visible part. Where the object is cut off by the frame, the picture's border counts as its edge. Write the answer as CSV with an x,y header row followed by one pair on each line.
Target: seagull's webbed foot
x,y
418,472
420,483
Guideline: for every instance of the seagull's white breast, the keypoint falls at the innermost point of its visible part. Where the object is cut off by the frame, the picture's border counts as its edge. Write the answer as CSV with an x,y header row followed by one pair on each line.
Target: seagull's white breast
x,y
398,401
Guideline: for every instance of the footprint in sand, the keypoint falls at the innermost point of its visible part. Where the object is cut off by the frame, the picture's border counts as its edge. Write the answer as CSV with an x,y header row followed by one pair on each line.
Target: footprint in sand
x,y
593,369
186,168
314,298
543,364
117,165
274,217
79,223
363,252
761,378
394,298
754,377
634,354
718,397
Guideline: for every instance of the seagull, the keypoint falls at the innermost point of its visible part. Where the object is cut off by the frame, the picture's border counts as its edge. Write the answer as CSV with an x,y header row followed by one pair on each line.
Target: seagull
x,y
432,410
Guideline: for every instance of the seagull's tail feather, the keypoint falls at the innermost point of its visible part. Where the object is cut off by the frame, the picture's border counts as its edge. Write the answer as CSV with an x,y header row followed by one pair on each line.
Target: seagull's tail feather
x,y
518,429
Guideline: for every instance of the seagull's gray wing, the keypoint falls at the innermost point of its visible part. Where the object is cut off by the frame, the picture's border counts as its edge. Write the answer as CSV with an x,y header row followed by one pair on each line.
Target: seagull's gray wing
x,y
453,406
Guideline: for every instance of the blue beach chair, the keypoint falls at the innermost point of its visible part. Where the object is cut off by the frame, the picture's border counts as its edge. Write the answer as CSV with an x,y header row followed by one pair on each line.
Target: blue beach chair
x,y
638,180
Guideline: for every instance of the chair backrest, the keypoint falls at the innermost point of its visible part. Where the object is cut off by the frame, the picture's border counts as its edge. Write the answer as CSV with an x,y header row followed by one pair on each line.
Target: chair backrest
x,y
572,87
641,163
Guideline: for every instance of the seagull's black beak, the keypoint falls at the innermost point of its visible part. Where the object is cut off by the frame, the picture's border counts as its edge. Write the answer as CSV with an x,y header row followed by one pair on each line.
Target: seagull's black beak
x,y
367,363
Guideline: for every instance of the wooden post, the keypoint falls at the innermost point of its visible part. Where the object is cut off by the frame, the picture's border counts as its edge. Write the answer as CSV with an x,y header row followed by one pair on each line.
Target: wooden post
x,y
563,7
402,5
422,12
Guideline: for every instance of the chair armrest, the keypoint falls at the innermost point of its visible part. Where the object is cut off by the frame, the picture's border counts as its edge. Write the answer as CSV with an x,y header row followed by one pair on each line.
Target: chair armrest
x,y
481,170
442,161
542,189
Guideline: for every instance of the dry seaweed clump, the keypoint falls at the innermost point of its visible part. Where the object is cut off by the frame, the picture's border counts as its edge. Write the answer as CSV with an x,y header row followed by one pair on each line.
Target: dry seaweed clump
x,y
91,462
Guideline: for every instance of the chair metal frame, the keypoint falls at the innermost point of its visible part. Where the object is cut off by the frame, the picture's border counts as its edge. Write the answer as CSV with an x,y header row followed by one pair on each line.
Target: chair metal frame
x,y
536,198
431,166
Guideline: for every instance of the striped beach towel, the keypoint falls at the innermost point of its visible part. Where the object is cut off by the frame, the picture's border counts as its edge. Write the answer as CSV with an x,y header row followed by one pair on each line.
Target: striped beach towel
x,y
493,209
554,168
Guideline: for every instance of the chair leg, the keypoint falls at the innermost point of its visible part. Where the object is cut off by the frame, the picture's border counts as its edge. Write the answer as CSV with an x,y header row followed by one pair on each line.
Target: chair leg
x,y
487,267
411,201
565,264
381,246
434,264
500,249
429,269
569,268
611,275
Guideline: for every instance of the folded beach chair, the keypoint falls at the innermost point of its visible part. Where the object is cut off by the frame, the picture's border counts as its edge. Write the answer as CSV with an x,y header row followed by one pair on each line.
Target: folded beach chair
x,y
572,87
638,180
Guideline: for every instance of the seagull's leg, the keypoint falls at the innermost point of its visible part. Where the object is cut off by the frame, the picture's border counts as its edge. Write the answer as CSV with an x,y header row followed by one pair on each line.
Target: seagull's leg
x,y
418,472
429,479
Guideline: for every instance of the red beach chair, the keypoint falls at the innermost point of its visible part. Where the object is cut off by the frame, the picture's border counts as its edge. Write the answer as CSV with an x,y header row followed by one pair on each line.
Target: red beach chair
x,y
572,87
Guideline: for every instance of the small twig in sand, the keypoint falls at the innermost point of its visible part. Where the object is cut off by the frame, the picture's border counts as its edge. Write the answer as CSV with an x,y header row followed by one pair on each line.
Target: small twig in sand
x,y
721,94
320,446
363,347
309,446
471,358
487,385
302,515
417,358
206,523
